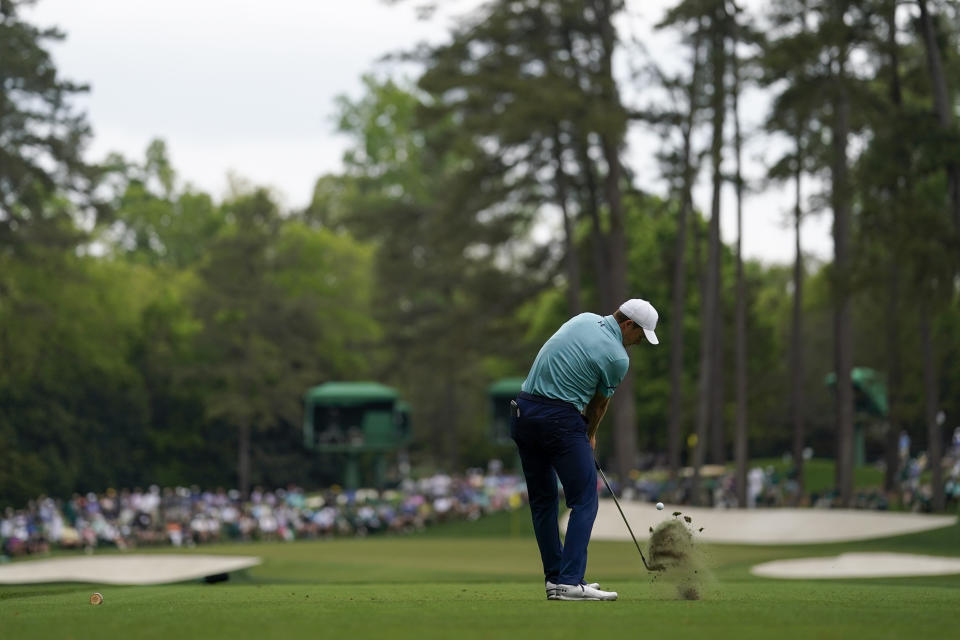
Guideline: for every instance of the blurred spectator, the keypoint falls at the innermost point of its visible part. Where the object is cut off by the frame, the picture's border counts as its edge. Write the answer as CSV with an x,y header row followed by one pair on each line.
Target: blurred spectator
x,y
185,517
766,487
188,516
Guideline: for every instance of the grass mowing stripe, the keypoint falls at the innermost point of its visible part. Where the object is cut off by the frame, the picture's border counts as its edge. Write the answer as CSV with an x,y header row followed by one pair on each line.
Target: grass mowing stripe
x,y
428,587
788,610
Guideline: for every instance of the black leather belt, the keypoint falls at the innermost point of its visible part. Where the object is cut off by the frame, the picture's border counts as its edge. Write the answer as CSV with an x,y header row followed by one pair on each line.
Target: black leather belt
x,y
544,400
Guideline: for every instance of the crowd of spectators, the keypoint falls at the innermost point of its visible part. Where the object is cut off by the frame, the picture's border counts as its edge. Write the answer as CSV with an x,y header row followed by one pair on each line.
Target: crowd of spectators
x,y
769,487
182,516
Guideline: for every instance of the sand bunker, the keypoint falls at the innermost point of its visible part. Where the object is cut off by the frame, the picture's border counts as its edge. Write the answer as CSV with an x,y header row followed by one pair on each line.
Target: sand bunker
x,y
765,526
859,565
123,569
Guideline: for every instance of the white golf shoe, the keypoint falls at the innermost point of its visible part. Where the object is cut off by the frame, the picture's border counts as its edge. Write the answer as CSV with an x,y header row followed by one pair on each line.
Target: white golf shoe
x,y
552,588
578,592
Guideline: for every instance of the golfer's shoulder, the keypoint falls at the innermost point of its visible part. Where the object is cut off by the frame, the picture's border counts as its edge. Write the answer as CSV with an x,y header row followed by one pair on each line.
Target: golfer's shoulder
x,y
585,319
579,328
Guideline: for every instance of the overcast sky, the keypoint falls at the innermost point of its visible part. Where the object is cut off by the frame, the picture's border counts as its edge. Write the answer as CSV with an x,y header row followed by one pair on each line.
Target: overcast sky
x,y
248,87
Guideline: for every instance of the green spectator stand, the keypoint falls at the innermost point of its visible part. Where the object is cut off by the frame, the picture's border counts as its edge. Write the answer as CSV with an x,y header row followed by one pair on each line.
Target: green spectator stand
x,y
356,420
500,393
869,403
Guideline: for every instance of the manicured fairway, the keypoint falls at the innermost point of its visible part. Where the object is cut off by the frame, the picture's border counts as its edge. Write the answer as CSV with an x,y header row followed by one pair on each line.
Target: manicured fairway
x,y
487,587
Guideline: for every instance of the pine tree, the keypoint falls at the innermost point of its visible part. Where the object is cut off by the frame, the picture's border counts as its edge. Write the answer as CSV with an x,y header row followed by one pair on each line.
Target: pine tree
x,y
45,185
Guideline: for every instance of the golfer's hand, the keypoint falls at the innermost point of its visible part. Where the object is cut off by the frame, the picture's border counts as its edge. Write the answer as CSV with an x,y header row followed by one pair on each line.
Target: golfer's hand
x,y
593,442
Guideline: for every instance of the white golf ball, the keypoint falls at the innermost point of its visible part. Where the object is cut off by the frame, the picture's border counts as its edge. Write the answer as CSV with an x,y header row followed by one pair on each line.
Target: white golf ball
x,y
659,506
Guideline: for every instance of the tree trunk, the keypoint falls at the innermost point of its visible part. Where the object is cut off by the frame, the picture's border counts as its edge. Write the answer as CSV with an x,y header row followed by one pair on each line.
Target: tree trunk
x,y
943,108
891,440
842,329
941,101
796,337
243,460
624,403
571,254
712,275
740,429
718,430
598,238
675,428
931,406
581,146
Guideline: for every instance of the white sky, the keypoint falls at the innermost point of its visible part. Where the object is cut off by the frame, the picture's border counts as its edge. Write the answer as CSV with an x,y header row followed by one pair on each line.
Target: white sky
x,y
247,87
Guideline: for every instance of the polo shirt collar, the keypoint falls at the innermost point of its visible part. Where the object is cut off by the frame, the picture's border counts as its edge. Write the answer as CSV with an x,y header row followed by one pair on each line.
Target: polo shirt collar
x,y
610,324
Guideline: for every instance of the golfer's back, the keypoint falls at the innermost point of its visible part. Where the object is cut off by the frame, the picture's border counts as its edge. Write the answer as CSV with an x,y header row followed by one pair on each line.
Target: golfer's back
x,y
584,356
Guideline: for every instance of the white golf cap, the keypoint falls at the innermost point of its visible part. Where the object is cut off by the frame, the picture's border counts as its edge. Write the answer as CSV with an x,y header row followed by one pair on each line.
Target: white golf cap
x,y
643,313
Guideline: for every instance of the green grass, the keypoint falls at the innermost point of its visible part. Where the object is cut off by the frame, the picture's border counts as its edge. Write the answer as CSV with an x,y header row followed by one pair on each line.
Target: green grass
x,y
484,583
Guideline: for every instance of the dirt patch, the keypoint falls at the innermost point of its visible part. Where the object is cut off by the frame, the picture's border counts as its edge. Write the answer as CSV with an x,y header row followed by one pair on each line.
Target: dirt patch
x,y
674,551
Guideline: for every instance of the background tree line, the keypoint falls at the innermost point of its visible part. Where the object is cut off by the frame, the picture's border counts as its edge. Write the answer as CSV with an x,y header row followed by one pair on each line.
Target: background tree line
x,y
149,333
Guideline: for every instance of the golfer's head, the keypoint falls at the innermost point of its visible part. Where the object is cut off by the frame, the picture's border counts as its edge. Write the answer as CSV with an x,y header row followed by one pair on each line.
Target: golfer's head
x,y
638,320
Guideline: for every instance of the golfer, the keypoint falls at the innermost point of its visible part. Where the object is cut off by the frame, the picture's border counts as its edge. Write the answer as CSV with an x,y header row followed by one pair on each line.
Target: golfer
x,y
554,423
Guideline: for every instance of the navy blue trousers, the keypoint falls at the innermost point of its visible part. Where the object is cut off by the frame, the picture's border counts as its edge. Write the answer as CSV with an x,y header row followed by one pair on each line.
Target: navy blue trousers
x,y
553,443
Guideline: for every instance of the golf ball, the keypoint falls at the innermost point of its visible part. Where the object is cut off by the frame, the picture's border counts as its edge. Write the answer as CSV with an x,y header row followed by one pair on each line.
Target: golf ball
x,y
96,598
659,506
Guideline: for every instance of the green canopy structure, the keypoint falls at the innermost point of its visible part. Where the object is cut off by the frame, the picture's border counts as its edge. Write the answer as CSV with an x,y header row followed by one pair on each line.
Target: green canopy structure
x,y
349,419
869,401
869,391
350,394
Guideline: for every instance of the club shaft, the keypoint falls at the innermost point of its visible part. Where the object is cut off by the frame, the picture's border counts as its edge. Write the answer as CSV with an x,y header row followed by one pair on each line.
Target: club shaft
x,y
622,515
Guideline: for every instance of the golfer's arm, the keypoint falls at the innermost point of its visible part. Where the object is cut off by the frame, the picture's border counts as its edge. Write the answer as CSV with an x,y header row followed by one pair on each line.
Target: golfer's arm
x,y
594,413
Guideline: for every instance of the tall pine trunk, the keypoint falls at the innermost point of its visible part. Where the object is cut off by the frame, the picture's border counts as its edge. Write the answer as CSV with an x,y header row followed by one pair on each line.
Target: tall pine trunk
x,y
597,238
944,110
842,324
740,427
571,255
623,404
710,315
796,335
797,399
624,401
931,406
243,460
591,197
675,428
891,439
941,101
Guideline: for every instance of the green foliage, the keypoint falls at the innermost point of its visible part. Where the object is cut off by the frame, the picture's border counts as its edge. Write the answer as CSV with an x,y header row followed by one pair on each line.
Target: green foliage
x,y
134,368
73,403
153,221
42,139
146,338
447,275
282,308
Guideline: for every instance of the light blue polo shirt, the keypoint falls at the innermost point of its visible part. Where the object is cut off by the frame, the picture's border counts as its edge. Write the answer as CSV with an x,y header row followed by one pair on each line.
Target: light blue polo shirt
x,y
584,356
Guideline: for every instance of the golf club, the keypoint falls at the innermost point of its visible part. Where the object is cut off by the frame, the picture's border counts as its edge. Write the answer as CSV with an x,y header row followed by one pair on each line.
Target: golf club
x,y
617,502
